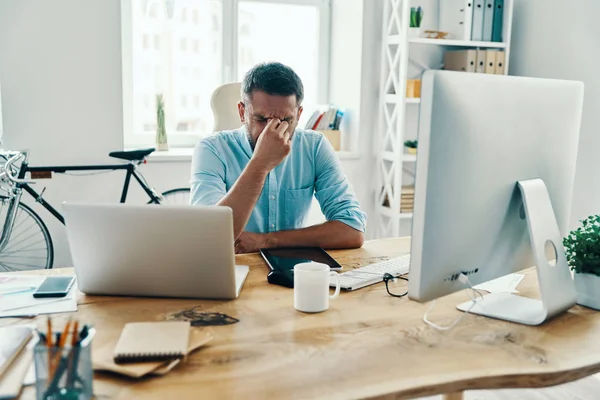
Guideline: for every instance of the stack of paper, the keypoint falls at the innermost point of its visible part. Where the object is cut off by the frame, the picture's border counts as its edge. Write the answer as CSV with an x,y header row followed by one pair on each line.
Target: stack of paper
x,y
103,360
16,298
18,354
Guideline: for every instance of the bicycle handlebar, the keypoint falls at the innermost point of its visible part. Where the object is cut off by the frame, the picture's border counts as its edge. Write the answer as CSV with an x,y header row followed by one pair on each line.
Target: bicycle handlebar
x,y
8,168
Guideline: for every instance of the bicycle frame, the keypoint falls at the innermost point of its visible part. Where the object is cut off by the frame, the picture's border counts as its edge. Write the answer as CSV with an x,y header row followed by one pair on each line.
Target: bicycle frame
x,y
17,190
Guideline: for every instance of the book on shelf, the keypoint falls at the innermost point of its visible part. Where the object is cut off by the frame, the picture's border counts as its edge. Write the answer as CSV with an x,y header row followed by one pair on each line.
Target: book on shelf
x,y
329,119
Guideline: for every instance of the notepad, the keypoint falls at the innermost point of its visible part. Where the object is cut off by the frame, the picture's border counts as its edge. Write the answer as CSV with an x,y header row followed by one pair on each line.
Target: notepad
x,y
12,340
152,341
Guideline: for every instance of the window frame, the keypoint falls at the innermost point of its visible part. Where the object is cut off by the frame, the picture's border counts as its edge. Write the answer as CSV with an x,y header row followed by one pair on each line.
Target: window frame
x,y
229,63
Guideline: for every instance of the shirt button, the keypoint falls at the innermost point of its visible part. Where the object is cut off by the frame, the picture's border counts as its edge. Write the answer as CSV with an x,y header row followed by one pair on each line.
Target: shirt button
x,y
272,197
272,226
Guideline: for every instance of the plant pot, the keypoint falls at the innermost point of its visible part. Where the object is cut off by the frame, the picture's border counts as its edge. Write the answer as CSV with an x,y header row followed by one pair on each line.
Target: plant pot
x,y
414,33
162,146
411,150
588,290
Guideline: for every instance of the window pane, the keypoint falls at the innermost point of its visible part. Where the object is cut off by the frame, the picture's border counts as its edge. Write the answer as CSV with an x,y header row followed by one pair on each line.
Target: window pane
x,y
266,33
1,137
165,51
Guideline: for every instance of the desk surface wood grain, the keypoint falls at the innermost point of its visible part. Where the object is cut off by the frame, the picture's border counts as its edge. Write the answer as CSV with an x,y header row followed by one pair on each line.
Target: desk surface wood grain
x,y
367,345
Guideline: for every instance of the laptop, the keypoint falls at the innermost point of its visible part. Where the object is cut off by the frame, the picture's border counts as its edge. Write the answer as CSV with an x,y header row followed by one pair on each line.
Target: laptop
x,y
154,250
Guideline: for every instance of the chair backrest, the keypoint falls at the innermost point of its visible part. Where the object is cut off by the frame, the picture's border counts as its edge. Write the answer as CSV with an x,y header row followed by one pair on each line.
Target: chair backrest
x,y
223,103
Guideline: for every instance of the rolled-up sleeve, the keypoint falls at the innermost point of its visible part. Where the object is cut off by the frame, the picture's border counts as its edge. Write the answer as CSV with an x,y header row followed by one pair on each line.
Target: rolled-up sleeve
x,y
208,176
332,189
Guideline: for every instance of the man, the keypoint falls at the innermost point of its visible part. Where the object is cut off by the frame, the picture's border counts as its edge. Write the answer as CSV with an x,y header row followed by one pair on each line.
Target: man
x,y
268,170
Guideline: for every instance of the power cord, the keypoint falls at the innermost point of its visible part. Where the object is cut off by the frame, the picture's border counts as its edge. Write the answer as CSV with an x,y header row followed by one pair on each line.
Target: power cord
x,y
465,280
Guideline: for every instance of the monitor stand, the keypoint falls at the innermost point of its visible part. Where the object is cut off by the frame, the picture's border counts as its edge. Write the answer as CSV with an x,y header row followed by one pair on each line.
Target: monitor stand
x,y
556,285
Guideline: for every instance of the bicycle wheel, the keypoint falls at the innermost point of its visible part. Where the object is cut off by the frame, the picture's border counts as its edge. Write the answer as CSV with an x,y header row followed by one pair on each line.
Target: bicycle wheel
x,y
30,245
179,196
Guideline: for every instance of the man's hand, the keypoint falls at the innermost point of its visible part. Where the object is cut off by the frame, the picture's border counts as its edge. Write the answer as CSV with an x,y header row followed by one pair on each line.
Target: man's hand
x,y
273,145
249,242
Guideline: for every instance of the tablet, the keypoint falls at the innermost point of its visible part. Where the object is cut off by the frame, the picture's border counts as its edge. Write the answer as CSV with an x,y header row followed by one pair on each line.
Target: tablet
x,y
287,258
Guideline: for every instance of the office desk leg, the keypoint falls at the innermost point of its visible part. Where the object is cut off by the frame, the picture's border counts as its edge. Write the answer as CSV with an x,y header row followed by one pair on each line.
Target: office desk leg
x,y
453,396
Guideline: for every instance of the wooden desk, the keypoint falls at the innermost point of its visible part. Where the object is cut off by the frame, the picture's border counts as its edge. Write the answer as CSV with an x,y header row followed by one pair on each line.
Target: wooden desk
x,y
368,345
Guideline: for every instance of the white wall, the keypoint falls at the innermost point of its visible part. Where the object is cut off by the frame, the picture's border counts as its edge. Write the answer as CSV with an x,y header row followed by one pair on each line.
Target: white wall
x,y
62,98
351,87
561,39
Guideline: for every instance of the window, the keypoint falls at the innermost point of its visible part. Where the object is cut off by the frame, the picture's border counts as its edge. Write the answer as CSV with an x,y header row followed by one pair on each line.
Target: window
x,y
153,13
201,49
298,47
1,130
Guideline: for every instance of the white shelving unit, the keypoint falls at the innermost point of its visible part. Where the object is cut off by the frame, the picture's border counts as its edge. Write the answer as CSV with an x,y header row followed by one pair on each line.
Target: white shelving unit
x,y
396,110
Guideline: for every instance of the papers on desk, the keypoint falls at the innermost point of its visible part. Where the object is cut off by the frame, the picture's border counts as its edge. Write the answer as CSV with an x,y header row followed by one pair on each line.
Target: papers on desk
x,y
504,284
16,298
12,377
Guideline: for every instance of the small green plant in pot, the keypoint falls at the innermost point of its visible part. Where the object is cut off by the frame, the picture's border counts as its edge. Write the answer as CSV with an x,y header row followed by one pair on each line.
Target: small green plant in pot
x,y
411,146
582,248
161,132
416,17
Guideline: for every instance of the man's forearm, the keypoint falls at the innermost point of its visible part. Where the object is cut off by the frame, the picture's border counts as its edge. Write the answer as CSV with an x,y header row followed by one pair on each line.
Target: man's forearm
x,y
328,235
243,196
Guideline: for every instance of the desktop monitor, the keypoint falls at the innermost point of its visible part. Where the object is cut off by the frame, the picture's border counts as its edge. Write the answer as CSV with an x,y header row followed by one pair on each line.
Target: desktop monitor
x,y
493,187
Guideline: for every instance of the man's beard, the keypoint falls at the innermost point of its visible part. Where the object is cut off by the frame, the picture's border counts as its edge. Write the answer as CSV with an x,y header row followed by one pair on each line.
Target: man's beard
x,y
253,143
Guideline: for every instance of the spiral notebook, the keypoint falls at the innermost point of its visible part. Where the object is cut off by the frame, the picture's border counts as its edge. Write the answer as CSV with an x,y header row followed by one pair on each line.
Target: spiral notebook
x,y
152,341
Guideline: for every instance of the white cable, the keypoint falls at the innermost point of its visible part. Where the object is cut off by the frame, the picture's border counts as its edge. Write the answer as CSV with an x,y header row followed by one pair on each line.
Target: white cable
x,y
464,279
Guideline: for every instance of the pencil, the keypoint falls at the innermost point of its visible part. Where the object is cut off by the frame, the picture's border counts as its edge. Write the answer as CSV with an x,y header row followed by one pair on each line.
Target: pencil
x,y
60,345
49,343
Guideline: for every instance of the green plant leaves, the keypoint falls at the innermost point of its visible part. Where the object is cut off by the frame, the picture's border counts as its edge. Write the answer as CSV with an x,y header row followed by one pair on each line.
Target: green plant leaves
x,y
582,247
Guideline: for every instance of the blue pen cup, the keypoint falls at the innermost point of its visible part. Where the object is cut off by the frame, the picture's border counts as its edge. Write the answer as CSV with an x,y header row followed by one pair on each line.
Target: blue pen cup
x,y
71,376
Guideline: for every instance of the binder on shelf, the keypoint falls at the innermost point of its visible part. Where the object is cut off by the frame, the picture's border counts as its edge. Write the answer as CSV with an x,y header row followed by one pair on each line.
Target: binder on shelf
x,y
480,62
488,20
456,18
498,21
500,61
477,27
460,60
490,61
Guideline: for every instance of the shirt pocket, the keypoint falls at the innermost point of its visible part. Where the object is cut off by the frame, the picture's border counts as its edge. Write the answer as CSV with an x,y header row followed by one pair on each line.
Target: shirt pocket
x,y
297,203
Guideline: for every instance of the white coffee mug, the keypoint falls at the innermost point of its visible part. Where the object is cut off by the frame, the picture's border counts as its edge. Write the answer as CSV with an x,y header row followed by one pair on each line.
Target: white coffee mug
x,y
311,287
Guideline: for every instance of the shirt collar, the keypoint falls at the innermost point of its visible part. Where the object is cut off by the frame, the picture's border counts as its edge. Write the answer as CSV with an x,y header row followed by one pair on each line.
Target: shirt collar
x,y
245,142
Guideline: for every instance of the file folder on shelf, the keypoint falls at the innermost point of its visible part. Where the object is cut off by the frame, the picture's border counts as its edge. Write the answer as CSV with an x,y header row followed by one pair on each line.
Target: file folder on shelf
x,y
460,60
500,61
488,20
498,21
477,28
480,63
490,61
456,18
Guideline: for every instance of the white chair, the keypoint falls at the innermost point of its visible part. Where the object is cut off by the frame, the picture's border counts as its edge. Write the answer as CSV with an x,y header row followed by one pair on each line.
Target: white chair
x,y
223,103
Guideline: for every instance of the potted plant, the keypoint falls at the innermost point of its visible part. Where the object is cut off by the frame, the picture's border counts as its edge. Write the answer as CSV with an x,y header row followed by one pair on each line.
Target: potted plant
x,y
161,133
582,248
411,146
416,16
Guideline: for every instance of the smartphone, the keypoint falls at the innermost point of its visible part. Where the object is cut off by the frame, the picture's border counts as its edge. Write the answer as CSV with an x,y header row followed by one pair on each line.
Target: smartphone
x,y
54,286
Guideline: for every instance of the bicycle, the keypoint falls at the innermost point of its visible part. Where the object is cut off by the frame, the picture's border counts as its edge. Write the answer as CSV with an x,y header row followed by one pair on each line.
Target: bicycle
x,y
25,242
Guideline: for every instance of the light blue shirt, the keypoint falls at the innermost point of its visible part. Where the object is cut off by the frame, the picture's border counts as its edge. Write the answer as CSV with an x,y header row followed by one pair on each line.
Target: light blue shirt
x,y
312,167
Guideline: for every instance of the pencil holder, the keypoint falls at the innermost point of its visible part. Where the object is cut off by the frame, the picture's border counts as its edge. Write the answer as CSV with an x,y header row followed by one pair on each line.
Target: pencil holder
x,y
64,373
